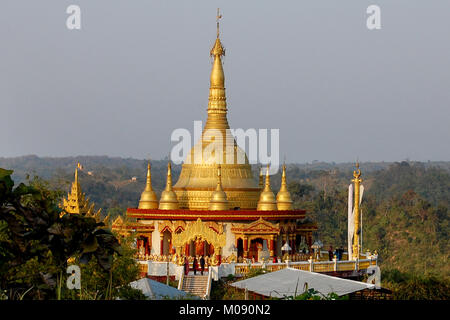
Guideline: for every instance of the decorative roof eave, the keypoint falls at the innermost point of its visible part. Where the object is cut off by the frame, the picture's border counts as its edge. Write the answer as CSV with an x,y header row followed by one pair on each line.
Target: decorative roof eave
x,y
257,227
225,215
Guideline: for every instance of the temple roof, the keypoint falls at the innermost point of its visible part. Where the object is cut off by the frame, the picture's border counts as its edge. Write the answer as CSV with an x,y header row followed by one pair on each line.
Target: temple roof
x,y
224,215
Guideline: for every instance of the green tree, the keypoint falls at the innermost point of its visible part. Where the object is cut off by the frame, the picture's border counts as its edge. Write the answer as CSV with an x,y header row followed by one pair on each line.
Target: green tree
x,y
36,241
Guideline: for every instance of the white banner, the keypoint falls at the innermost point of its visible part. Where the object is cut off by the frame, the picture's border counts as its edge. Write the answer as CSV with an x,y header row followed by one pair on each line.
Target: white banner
x,y
350,222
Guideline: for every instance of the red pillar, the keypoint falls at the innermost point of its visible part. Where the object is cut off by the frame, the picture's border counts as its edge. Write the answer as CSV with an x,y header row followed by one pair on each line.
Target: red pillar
x,y
147,246
186,249
245,247
162,245
272,246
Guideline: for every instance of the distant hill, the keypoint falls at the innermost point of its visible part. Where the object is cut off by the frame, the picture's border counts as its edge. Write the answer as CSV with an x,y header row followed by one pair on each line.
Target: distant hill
x,y
405,205
108,180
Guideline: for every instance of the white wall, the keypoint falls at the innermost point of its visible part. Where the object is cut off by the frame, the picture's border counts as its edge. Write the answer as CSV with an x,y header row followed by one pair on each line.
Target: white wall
x,y
231,240
156,242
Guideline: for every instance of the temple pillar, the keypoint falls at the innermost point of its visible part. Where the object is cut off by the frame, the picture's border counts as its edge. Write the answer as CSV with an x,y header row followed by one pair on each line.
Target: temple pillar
x,y
272,245
161,236
245,246
186,249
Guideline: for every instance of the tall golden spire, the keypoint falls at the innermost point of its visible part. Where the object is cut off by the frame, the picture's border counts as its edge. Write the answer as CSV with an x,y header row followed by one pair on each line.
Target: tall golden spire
x,y
357,182
168,199
198,179
284,201
218,198
217,104
267,198
148,200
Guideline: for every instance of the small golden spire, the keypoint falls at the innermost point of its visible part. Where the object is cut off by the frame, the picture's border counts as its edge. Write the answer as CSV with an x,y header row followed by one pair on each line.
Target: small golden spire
x,y
219,197
168,199
284,201
267,200
148,200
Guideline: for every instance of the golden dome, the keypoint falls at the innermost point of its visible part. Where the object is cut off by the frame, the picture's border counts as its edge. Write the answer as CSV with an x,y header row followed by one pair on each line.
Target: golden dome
x,y
284,201
219,198
149,200
168,199
267,198
198,177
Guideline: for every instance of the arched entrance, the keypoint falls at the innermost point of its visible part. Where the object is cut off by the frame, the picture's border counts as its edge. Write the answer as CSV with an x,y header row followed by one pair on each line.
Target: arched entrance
x,y
198,237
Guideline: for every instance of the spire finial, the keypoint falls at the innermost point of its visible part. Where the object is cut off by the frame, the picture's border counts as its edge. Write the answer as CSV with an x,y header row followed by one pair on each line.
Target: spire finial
x,y
357,172
217,19
148,185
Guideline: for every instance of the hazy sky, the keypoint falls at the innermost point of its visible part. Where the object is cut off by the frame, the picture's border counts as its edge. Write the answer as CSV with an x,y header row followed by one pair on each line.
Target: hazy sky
x,y
139,69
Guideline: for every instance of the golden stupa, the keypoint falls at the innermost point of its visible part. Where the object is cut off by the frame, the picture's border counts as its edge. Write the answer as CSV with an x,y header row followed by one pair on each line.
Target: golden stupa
x,y
198,176
168,199
267,197
284,200
219,198
148,200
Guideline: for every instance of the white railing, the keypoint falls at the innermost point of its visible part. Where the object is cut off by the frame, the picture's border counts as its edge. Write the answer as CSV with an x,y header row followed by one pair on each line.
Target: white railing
x,y
160,268
208,287
310,265
180,282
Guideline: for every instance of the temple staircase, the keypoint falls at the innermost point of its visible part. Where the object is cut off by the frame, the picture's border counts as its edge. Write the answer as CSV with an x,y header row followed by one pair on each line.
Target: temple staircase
x,y
198,285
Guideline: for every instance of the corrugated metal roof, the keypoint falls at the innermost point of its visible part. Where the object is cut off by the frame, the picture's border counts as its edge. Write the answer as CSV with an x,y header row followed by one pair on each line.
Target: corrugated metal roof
x,y
158,291
289,282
